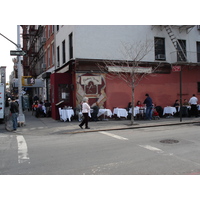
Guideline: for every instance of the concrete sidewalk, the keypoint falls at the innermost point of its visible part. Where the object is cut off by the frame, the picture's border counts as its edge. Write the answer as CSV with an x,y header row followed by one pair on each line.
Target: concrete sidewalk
x,y
40,126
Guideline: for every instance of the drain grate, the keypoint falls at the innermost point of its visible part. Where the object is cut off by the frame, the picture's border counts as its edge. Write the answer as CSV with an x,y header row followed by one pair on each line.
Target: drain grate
x,y
169,141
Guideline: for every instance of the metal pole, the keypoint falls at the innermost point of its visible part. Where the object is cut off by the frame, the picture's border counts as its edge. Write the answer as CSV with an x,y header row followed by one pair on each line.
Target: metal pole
x,y
21,115
181,95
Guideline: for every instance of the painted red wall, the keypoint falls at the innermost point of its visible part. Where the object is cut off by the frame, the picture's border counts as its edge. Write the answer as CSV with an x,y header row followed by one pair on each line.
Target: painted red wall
x,y
164,89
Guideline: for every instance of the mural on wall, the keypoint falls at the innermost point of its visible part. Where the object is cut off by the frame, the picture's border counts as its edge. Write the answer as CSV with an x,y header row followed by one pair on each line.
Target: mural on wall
x,y
92,86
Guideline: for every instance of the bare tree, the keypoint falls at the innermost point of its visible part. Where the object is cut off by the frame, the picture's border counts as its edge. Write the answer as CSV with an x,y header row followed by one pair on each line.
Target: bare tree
x,y
133,69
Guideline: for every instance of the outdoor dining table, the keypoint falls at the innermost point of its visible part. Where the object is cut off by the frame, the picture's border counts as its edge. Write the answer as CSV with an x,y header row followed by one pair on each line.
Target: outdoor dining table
x,y
120,112
169,110
66,114
105,112
137,110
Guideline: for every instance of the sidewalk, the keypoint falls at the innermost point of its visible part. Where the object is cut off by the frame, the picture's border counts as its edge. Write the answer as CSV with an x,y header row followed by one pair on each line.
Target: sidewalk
x,y
35,126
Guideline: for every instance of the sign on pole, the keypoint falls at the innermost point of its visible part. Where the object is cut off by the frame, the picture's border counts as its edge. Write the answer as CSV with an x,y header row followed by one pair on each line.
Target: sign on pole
x,y
176,68
17,53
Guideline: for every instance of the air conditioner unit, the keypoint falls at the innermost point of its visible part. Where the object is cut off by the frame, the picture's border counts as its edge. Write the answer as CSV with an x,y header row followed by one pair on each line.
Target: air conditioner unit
x,y
198,27
160,57
43,65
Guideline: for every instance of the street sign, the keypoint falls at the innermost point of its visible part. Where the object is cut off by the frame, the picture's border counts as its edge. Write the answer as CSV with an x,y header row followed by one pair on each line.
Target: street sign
x,y
17,53
176,68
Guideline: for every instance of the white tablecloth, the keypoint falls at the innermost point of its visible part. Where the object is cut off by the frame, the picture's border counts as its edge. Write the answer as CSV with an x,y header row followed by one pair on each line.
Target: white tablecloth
x,y
106,112
66,114
137,110
169,110
120,112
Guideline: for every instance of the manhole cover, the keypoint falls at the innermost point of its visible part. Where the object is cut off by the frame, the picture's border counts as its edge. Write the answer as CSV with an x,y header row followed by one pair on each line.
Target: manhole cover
x,y
169,141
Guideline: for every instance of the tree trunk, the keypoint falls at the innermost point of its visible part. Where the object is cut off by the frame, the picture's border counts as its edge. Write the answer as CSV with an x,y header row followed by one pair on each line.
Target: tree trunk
x,y
132,102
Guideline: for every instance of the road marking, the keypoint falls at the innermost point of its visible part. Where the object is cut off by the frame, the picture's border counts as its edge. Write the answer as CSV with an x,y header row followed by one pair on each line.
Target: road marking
x,y
113,135
22,150
152,148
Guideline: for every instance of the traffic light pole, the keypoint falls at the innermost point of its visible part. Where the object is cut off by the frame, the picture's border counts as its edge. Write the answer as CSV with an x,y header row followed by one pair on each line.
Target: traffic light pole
x,y
21,118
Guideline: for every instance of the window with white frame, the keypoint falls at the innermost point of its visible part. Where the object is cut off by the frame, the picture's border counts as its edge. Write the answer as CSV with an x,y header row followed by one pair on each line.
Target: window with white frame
x,y
159,44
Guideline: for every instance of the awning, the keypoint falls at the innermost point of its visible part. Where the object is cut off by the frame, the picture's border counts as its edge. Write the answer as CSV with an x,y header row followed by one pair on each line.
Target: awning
x,y
139,70
63,70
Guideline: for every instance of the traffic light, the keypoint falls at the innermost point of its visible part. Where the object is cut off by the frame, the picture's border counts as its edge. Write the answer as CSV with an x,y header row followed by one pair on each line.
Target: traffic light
x,y
30,81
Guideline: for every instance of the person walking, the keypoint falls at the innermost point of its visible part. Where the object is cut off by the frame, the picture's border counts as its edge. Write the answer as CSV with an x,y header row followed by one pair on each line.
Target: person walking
x,y
85,112
193,102
14,109
149,106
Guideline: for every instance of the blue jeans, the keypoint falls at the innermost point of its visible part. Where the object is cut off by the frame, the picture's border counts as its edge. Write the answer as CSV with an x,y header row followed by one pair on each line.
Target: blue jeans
x,y
149,112
14,120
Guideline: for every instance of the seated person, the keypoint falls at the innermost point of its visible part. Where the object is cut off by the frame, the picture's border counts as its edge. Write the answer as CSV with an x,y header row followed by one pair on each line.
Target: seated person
x,y
185,102
128,108
95,112
41,110
185,109
139,104
155,114
176,105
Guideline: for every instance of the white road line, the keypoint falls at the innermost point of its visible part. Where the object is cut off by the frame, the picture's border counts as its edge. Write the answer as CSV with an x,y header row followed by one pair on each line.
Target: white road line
x,y
113,135
152,148
22,150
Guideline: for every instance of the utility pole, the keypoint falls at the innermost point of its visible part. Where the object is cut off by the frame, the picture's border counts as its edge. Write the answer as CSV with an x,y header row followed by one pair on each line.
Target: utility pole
x,y
21,118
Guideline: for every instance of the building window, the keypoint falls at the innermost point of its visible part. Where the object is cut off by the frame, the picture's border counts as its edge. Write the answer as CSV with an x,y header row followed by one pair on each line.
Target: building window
x,y
52,53
48,57
58,57
57,27
70,46
64,93
198,51
181,50
159,48
198,86
63,51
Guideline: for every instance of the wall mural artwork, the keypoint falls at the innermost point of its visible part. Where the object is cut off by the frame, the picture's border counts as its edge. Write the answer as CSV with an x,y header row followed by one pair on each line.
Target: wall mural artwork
x,y
92,86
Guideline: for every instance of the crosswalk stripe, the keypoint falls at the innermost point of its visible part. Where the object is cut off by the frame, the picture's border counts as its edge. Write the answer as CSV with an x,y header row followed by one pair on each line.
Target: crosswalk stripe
x,y
151,148
22,150
113,135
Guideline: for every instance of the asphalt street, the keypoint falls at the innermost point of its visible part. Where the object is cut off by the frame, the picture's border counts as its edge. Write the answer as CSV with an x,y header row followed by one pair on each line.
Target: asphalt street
x,y
114,152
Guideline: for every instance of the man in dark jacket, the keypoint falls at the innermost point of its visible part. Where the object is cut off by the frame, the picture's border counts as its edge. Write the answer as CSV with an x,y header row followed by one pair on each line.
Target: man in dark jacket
x,y
14,109
149,106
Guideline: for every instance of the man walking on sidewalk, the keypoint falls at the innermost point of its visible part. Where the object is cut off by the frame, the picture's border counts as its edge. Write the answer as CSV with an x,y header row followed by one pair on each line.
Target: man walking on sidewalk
x,y
85,111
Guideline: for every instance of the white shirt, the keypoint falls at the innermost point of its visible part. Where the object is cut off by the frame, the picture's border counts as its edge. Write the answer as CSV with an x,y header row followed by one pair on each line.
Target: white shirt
x,y
193,100
85,108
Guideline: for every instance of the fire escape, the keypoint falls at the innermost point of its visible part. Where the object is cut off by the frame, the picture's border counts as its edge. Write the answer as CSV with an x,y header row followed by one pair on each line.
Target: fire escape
x,y
180,47
33,45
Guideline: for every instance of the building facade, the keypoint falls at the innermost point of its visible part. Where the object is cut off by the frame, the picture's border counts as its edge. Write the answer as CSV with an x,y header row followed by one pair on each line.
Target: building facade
x,y
74,53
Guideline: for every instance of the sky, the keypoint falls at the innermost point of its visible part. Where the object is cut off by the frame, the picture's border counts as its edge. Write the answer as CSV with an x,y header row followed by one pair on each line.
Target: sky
x,y
5,46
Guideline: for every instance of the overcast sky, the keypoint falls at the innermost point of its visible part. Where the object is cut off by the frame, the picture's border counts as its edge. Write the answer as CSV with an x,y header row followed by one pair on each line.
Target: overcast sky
x,y
5,47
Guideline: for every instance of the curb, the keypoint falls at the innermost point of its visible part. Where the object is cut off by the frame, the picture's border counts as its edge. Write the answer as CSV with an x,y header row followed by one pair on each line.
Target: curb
x,y
136,126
